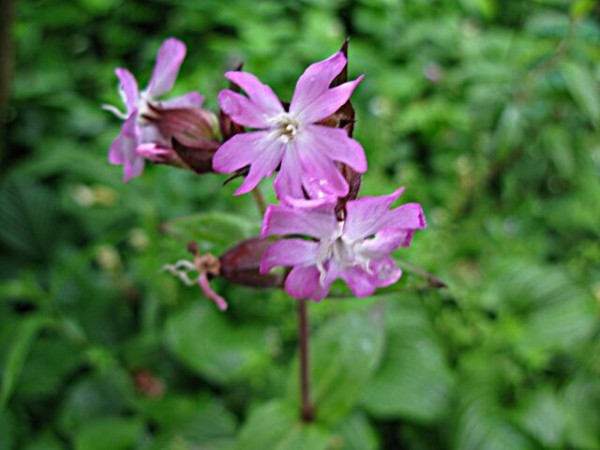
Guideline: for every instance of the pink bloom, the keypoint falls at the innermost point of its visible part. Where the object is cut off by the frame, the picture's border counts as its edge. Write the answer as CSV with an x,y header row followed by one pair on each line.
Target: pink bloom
x,y
292,138
356,250
136,130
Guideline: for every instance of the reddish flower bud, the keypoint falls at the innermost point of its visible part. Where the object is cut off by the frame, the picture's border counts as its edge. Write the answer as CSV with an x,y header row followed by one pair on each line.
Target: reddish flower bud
x,y
241,263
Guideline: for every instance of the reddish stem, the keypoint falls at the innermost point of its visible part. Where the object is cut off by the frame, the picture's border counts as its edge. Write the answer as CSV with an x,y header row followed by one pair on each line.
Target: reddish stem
x,y
303,337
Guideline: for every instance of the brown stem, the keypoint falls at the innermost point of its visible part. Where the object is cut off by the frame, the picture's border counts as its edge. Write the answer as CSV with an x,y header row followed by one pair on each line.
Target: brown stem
x,y
260,201
303,338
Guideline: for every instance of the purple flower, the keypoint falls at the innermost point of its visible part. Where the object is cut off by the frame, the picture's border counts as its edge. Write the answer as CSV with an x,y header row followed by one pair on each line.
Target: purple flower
x,y
356,250
136,130
293,138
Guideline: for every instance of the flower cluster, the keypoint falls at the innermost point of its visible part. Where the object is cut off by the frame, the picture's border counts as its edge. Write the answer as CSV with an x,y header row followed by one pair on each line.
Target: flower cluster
x,y
325,233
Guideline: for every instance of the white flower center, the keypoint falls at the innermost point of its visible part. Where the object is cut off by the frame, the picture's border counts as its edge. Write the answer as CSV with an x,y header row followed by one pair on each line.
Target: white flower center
x,y
285,127
143,107
344,252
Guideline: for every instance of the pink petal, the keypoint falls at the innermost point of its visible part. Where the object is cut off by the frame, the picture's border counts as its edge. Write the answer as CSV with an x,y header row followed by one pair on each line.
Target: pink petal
x,y
407,217
303,283
128,88
168,61
120,146
133,168
242,110
328,102
122,150
209,293
315,81
320,176
317,221
335,143
385,272
260,94
362,283
385,242
367,215
155,153
150,134
189,100
289,252
239,151
263,165
288,182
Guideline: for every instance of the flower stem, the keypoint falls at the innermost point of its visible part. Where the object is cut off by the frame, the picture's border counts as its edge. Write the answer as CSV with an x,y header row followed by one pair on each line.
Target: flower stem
x,y
303,338
260,201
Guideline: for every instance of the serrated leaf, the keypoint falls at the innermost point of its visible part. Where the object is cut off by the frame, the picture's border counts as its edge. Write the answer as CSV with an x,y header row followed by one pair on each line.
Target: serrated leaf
x,y
344,353
202,338
276,425
214,232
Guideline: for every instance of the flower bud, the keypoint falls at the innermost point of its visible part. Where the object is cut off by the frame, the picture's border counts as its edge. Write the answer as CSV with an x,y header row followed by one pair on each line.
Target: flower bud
x,y
241,263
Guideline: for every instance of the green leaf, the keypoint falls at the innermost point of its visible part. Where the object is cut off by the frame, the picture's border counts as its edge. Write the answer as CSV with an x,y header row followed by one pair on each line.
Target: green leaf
x,y
344,353
197,421
110,433
482,427
550,311
203,339
581,399
27,332
214,232
581,8
28,219
583,87
509,131
414,380
355,432
93,398
543,416
276,425
8,430
50,362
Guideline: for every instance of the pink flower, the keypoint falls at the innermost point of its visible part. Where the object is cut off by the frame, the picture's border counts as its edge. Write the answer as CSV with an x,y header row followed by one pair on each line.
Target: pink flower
x,y
136,130
292,138
356,250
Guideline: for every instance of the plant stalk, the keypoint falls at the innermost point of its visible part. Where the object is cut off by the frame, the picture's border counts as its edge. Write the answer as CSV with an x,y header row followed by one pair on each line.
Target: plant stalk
x,y
260,201
307,412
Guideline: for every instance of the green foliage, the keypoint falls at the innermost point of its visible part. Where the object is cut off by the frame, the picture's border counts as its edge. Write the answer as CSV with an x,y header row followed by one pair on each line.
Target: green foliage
x,y
486,111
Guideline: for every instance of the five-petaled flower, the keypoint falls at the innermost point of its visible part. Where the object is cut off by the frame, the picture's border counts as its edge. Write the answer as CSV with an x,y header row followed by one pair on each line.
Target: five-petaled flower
x,y
137,132
356,249
291,139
